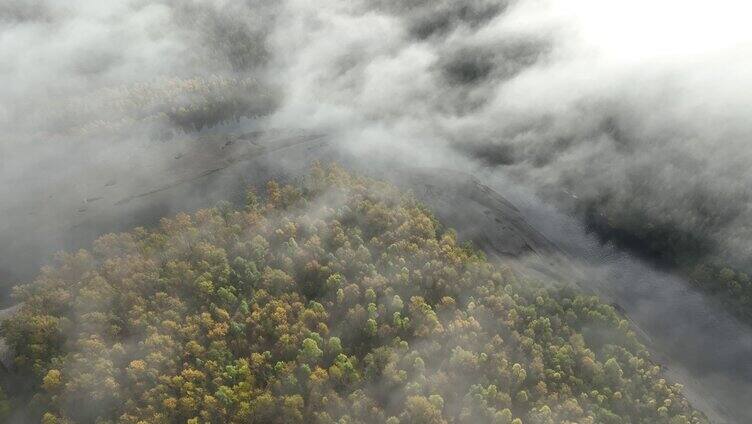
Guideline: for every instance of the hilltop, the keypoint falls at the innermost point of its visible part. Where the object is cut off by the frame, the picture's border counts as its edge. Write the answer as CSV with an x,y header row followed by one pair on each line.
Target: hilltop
x,y
340,299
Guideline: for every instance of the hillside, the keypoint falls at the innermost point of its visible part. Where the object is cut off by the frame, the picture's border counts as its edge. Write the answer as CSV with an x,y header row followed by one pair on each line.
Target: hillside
x,y
338,300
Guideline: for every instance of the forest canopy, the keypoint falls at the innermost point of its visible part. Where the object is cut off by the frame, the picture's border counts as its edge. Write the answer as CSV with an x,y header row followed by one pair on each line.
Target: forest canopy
x,y
338,299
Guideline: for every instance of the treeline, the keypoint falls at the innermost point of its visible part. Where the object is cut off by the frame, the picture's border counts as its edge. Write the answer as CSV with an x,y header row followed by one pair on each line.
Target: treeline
x,y
731,287
188,104
339,300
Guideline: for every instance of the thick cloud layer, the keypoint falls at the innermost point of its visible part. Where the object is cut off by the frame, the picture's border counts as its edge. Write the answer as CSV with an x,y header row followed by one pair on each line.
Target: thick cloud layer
x,y
631,107
625,113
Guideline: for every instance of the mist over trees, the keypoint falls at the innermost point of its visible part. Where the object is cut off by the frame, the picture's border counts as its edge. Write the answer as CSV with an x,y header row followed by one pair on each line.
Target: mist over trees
x,y
338,299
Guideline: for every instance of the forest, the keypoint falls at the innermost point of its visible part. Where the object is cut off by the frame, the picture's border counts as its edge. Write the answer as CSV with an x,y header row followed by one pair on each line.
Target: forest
x,y
331,299
185,104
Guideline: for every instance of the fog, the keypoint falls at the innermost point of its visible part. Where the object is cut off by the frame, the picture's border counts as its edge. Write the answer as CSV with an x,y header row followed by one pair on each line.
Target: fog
x,y
605,103
628,109
625,105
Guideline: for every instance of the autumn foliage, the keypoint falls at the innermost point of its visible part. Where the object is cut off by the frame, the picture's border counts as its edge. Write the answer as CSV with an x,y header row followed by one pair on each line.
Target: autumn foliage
x,y
337,300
